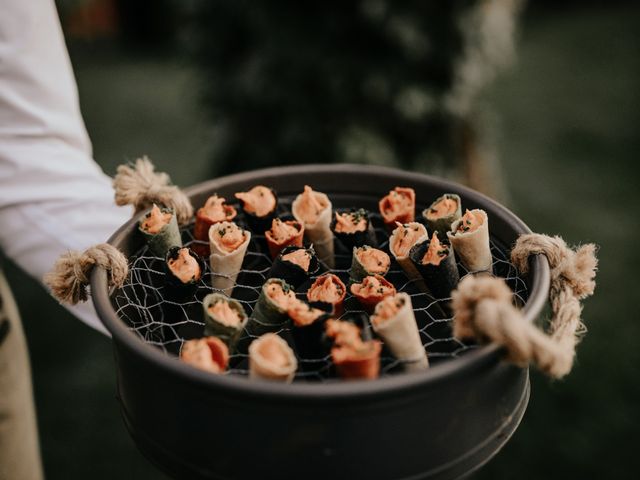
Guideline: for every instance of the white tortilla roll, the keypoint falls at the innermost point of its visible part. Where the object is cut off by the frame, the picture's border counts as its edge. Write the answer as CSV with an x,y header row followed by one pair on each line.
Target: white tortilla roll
x,y
226,265
319,232
418,233
271,358
472,247
400,334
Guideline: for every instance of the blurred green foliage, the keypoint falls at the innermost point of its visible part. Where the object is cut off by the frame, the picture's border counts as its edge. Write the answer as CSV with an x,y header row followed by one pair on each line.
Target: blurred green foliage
x,y
368,81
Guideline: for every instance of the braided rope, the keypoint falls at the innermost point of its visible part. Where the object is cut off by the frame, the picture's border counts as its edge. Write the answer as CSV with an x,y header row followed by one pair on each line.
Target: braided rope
x,y
139,185
69,278
484,310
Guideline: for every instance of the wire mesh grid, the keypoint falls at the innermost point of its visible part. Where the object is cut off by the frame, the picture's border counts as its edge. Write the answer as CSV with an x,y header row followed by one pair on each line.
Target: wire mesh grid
x,y
160,319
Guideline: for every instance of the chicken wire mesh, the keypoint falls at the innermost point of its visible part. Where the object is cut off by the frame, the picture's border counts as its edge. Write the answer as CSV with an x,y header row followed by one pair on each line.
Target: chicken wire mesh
x,y
160,319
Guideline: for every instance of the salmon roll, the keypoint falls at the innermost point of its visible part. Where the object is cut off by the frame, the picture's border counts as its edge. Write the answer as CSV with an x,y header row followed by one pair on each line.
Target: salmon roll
x,y
442,213
228,244
313,211
403,238
209,354
371,291
183,271
259,205
271,358
328,288
469,237
270,313
294,265
224,318
395,322
283,234
353,228
160,228
308,329
399,205
366,261
436,262
215,210
353,357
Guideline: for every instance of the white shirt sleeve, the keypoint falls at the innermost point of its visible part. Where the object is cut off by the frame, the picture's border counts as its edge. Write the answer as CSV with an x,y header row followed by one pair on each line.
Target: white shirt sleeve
x,y
53,196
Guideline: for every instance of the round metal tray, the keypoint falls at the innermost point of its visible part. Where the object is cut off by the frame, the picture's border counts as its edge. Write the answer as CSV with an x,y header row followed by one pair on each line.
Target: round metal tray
x,y
441,423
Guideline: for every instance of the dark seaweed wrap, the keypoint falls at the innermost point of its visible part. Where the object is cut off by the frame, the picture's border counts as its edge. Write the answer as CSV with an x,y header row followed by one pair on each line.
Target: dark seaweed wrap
x,y
168,236
358,272
310,340
175,287
440,279
267,316
212,327
356,239
259,225
291,273
442,225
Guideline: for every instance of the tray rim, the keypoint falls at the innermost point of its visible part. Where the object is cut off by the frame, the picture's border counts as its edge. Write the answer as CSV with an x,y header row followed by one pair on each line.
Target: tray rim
x,y
483,357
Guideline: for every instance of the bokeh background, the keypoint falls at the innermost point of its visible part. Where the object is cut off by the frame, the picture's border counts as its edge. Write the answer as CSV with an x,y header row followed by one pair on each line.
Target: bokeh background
x,y
536,104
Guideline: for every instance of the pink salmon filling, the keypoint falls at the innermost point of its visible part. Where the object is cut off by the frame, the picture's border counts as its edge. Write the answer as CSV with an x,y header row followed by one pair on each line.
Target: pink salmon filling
x,y
259,201
310,205
155,220
185,267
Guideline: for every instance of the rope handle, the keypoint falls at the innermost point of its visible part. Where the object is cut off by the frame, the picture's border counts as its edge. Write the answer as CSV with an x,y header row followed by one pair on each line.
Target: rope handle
x,y
139,185
69,278
483,307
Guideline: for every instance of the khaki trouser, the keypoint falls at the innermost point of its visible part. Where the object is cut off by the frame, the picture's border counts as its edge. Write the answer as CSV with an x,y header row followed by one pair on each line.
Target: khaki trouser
x,y
19,452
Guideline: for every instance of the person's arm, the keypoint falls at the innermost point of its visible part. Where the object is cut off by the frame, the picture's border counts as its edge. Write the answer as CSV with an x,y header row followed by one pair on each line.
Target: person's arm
x,y
53,196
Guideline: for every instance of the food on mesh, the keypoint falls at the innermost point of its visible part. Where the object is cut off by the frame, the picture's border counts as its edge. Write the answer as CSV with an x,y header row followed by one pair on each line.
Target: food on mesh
x,y
183,270
372,290
469,237
353,357
259,205
353,228
215,210
184,266
228,244
394,321
435,261
302,314
367,260
224,317
313,211
307,324
402,239
209,354
155,220
300,257
160,228
307,330
328,288
270,312
271,358
442,213
283,234
294,265
398,205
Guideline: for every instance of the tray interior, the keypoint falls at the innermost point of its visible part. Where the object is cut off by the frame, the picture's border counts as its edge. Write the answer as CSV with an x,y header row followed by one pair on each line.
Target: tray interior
x,y
166,322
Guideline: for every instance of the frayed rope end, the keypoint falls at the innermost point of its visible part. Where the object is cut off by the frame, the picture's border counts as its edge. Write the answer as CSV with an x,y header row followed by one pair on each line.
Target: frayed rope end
x,y
139,185
69,278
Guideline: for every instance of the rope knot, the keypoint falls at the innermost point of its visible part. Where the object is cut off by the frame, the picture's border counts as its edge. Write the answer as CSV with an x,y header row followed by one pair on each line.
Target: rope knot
x,y
471,291
139,185
575,269
69,278
483,306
